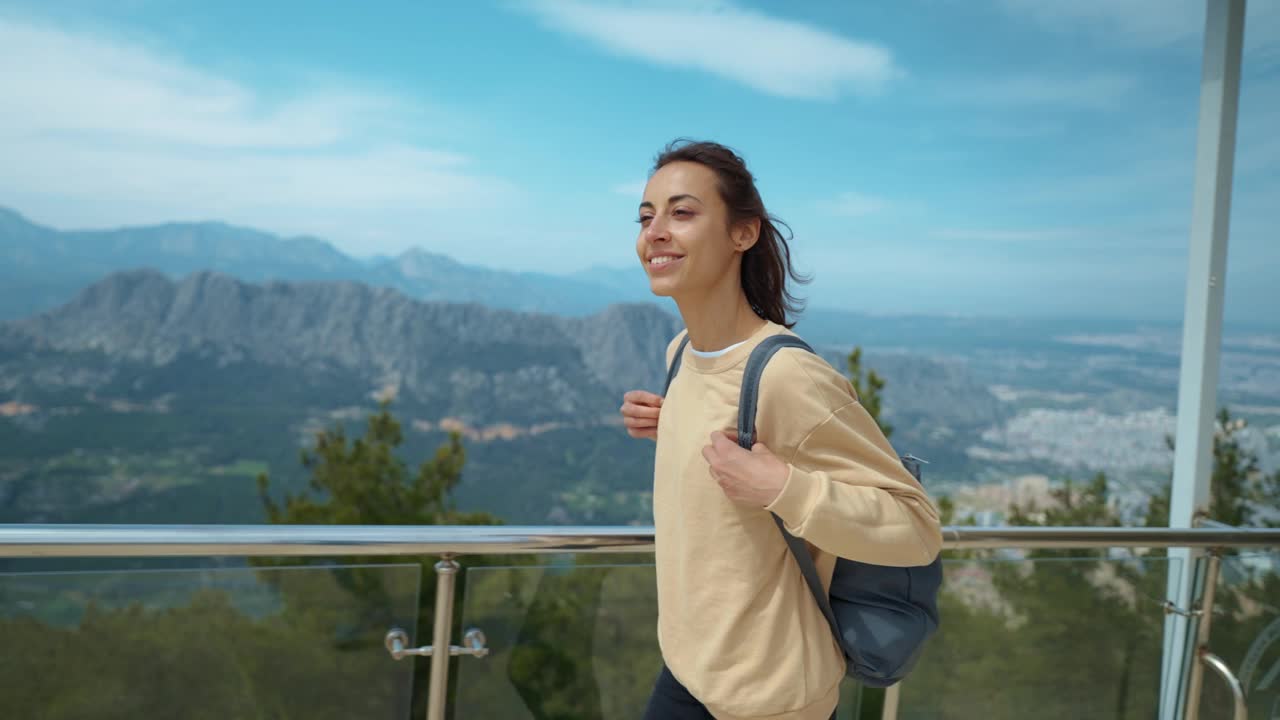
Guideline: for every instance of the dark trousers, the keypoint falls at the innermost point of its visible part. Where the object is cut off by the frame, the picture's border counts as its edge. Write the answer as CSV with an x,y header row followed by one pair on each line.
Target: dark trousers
x,y
671,701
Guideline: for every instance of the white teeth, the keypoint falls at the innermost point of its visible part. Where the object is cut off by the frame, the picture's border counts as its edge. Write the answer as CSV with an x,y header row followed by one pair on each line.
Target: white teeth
x,y
662,260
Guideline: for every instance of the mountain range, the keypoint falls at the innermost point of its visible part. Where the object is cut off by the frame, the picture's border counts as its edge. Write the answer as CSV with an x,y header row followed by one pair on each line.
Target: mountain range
x,y
464,360
148,395
151,398
41,267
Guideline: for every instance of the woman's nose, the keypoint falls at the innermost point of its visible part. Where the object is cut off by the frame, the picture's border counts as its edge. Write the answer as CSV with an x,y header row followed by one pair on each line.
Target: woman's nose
x,y
656,230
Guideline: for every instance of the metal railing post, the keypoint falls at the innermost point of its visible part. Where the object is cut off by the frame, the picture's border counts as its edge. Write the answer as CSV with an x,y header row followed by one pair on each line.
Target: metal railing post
x,y
1203,620
891,697
438,688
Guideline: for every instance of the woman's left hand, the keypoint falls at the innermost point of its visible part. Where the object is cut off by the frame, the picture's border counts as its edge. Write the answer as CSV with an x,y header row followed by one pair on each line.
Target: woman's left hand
x,y
754,477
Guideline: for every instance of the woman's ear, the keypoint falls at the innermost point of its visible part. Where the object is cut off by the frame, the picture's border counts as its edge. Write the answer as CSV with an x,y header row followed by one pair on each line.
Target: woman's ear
x,y
746,234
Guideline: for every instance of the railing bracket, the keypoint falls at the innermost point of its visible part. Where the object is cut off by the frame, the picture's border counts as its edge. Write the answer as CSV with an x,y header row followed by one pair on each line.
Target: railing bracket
x,y
1171,609
473,645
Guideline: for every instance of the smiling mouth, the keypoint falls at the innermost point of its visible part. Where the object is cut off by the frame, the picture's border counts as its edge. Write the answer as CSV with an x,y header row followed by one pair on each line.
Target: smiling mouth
x,y
662,260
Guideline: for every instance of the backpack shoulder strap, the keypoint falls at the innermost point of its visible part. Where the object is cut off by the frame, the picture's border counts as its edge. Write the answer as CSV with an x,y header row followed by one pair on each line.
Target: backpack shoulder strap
x,y
748,399
749,395
800,550
675,363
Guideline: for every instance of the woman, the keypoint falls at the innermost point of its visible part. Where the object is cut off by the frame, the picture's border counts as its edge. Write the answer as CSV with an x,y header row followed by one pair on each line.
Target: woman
x,y
740,633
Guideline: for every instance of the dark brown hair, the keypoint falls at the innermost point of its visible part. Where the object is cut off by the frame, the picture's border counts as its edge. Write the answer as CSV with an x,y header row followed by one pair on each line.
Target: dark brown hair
x,y
766,266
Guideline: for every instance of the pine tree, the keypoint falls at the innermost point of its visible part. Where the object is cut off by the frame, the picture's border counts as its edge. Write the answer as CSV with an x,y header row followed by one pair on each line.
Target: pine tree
x,y
1239,491
363,482
869,395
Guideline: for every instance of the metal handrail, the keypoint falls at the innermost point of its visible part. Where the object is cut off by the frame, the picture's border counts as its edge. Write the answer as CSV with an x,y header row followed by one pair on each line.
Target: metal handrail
x,y
34,540
1240,708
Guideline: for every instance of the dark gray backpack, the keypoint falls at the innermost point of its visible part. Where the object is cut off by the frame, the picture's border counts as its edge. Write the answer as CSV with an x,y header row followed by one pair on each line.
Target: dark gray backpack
x,y
880,615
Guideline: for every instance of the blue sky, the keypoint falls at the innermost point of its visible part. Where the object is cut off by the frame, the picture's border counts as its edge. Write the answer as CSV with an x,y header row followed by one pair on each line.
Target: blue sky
x,y
997,157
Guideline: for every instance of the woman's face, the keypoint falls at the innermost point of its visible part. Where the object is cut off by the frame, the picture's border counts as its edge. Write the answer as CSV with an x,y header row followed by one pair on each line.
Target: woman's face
x,y
685,244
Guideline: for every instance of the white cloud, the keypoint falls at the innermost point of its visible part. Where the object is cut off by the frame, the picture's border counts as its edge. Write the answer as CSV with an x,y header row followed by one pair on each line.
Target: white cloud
x,y
630,189
1005,235
1147,22
1096,90
116,132
853,204
74,83
1153,23
776,56
1157,235
985,279
1257,143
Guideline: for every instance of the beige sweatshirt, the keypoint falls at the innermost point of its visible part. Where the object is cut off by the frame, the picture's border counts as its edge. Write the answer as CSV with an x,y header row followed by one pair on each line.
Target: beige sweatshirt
x,y
736,622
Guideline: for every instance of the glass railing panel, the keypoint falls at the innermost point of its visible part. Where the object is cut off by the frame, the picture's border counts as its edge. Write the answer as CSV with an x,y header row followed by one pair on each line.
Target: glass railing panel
x,y
1046,638
568,640
279,642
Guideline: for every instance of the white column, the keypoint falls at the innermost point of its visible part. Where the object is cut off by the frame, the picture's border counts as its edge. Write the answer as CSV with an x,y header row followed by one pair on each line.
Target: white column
x,y
1202,320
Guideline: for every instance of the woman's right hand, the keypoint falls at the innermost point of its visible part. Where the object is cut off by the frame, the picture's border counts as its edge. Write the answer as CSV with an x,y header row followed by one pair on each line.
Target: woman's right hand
x,y
640,413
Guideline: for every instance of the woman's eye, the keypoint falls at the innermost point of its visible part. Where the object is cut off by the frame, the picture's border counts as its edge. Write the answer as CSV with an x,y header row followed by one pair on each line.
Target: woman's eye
x,y
681,212
644,219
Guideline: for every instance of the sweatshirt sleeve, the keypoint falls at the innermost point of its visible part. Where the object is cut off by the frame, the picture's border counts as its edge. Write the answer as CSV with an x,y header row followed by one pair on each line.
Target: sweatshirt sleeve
x,y
848,494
